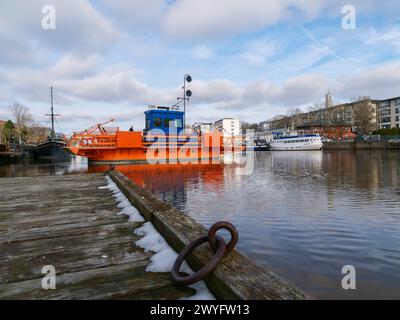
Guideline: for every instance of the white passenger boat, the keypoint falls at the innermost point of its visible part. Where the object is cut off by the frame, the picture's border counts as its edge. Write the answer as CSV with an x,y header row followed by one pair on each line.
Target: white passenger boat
x,y
292,143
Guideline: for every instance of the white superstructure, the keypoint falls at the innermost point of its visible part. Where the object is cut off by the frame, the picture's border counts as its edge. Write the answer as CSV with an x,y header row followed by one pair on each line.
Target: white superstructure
x,y
293,143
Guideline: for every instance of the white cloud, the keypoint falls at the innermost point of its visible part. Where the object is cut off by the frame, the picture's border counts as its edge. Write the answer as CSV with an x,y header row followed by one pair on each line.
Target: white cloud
x,y
113,84
380,82
259,51
80,29
111,58
118,85
203,52
217,18
213,91
136,13
389,37
75,66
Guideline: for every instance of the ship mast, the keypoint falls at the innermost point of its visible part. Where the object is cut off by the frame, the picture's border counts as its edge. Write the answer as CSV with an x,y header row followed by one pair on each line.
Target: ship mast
x,y
52,115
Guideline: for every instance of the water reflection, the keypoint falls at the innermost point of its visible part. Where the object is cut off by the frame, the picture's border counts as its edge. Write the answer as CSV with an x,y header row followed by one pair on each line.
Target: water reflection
x,y
45,167
302,214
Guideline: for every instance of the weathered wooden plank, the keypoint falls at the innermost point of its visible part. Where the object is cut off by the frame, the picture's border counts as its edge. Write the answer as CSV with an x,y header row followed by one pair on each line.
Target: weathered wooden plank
x,y
48,245
55,219
61,230
22,214
67,222
115,282
104,254
237,277
53,183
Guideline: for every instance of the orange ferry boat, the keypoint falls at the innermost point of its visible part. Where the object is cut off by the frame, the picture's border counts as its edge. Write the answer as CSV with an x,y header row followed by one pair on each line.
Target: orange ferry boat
x,y
162,141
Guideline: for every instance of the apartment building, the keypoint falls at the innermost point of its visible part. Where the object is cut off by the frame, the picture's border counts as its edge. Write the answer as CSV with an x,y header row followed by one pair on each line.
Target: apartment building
x,y
388,113
338,115
229,127
203,127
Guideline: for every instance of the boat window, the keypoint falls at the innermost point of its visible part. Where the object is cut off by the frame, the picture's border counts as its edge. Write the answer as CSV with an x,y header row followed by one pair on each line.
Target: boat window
x,y
166,122
178,123
157,122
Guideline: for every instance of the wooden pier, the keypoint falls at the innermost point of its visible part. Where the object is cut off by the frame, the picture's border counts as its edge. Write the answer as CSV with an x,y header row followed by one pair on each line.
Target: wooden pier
x,y
70,223
67,222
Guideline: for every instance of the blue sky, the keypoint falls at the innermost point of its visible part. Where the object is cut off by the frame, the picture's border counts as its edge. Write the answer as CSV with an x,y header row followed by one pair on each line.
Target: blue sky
x,y
249,59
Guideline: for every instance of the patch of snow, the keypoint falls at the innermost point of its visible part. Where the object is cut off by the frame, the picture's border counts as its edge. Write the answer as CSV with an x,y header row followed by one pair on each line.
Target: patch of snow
x,y
202,292
127,208
164,256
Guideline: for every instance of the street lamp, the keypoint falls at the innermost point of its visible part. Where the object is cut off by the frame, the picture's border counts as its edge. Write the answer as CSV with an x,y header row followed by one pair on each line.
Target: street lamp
x,y
186,94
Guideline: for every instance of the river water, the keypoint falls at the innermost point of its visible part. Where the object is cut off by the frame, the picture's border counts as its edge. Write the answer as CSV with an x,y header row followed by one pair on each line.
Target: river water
x,y
304,215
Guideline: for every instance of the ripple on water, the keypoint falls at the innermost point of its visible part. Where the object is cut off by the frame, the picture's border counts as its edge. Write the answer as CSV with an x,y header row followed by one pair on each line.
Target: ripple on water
x,y
306,214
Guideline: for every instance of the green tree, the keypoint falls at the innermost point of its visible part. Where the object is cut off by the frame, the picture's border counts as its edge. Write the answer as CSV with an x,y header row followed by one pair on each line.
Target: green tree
x,y
8,132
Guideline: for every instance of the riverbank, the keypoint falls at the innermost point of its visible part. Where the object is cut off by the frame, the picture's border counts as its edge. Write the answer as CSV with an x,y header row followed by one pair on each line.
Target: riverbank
x,y
365,145
16,153
7,157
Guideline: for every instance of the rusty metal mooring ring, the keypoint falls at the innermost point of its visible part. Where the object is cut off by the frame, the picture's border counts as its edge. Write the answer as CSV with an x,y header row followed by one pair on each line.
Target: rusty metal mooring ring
x,y
223,225
203,272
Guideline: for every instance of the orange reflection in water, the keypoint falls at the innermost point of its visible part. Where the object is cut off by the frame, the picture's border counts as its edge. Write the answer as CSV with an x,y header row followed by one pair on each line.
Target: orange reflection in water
x,y
168,177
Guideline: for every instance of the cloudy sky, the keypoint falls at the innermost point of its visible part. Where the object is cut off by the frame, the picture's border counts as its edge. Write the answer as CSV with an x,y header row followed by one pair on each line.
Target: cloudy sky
x,y
250,59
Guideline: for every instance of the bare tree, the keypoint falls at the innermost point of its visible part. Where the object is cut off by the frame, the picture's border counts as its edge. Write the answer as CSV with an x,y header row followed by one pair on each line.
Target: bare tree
x,y
318,113
363,114
253,126
22,119
294,115
37,133
280,121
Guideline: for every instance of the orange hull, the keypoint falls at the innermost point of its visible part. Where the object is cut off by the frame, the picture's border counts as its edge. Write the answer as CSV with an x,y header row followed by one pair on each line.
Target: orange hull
x,y
125,155
134,147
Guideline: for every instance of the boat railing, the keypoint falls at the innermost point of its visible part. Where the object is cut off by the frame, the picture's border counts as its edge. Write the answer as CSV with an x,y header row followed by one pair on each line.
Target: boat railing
x,y
190,140
109,140
95,141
